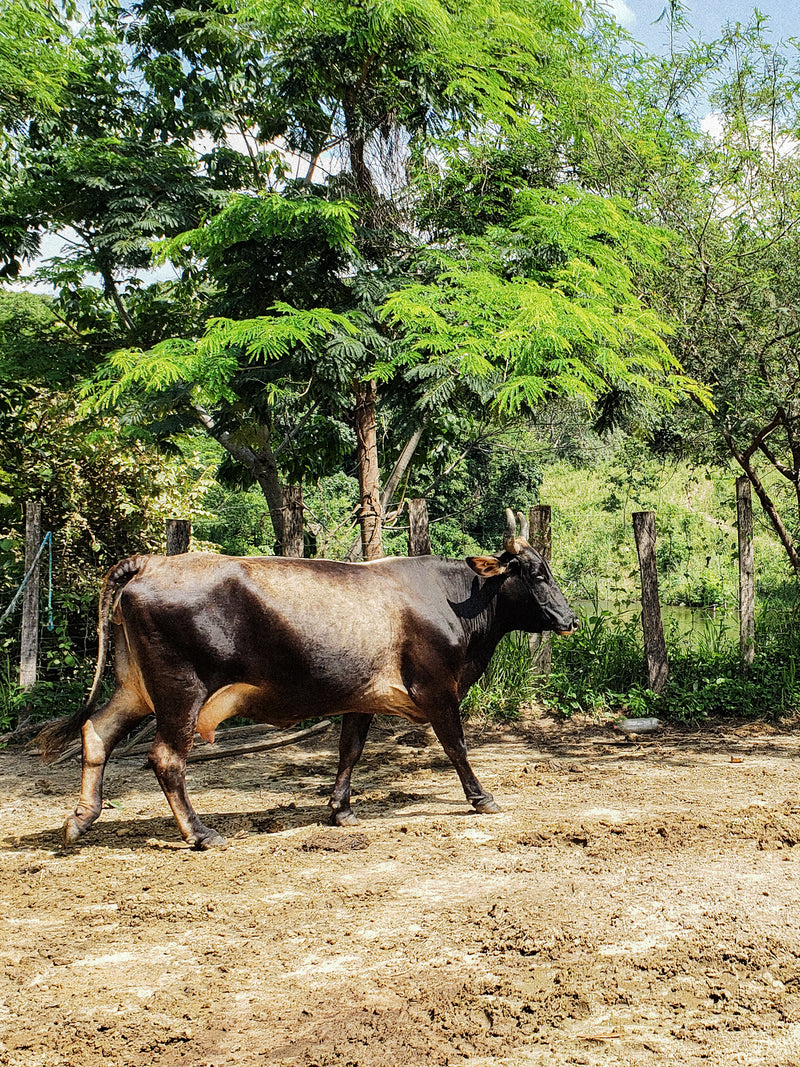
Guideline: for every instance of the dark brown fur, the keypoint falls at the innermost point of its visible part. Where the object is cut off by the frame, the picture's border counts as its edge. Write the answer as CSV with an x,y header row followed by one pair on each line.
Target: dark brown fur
x,y
200,638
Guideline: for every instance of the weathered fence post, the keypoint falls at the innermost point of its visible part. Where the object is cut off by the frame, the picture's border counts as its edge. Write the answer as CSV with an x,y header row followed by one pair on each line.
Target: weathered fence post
x,y
419,534
747,595
29,642
540,537
292,521
655,647
179,533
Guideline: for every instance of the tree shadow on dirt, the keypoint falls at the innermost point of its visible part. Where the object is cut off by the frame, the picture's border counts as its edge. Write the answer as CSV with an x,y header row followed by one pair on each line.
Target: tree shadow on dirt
x,y
677,745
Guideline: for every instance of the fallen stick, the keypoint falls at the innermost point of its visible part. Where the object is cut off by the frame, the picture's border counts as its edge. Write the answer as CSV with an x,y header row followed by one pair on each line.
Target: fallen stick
x,y
73,750
211,752
143,732
207,752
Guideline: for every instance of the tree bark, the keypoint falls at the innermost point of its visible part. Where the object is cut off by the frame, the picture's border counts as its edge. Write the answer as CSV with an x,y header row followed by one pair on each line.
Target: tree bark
x,y
262,466
370,511
392,482
655,647
29,645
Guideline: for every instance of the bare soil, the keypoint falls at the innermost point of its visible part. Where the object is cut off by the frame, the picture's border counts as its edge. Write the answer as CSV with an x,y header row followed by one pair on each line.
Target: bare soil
x,y
634,903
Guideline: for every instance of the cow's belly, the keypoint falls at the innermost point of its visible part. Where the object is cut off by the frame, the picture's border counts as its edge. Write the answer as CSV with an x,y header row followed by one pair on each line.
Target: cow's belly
x,y
260,703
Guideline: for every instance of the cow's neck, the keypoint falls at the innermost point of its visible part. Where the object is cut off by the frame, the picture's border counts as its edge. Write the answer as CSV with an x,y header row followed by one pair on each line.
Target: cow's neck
x,y
484,624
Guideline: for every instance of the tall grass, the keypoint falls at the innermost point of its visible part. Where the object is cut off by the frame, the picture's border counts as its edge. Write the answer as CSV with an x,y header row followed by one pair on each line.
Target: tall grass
x,y
601,670
507,685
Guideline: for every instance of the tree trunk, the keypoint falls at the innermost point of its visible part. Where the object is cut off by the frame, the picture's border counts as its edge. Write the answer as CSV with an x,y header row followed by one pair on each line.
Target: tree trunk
x,y
392,482
747,600
370,512
262,466
292,544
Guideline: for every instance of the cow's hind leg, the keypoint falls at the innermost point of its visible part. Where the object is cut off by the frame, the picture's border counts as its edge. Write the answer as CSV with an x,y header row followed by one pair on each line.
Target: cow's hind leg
x,y
447,727
351,745
100,734
167,757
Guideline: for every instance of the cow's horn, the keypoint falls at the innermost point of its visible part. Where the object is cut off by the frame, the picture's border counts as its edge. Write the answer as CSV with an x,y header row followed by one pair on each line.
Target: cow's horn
x,y
510,534
524,527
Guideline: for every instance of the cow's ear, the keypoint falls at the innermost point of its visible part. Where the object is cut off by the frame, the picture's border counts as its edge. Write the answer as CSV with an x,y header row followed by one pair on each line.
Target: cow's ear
x,y
486,566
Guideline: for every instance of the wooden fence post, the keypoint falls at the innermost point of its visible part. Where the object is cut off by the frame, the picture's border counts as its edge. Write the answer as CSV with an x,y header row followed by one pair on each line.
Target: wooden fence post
x,y
179,532
29,642
655,647
747,595
419,534
540,537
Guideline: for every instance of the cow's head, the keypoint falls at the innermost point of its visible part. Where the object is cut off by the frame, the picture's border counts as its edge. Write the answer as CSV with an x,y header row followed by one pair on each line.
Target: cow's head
x,y
536,596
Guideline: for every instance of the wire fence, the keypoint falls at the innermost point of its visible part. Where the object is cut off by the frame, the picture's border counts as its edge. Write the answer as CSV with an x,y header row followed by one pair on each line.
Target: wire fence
x,y
47,542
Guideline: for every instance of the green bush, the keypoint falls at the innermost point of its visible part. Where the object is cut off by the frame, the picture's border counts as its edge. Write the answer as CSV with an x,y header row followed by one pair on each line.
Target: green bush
x,y
601,669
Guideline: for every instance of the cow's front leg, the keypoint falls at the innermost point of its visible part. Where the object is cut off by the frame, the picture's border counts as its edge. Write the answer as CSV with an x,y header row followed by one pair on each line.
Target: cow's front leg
x,y
351,745
100,734
167,757
447,727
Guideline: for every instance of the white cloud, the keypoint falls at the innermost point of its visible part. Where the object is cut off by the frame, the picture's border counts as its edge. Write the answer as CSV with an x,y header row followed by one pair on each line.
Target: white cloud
x,y
712,125
624,15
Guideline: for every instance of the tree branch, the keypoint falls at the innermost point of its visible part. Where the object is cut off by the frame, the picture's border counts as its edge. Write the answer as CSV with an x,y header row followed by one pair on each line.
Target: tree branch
x,y
261,465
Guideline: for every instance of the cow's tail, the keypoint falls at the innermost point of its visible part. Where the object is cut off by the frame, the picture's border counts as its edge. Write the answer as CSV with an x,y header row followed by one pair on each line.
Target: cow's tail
x,y
53,739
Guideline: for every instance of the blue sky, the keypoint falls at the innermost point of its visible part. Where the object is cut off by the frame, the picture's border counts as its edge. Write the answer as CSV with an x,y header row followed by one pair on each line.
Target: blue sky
x,y
706,16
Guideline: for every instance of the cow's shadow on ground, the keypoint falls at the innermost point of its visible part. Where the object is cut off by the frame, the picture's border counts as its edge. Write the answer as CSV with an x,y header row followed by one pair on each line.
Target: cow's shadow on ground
x,y
140,832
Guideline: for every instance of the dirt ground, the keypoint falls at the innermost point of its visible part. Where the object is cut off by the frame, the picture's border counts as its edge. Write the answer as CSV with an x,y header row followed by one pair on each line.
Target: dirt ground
x,y
634,903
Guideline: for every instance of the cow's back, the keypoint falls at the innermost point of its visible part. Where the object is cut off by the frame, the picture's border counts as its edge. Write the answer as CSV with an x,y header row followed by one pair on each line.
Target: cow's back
x,y
299,637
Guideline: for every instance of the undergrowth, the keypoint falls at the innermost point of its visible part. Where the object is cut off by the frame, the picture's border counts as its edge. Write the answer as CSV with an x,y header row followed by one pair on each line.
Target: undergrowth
x,y
601,670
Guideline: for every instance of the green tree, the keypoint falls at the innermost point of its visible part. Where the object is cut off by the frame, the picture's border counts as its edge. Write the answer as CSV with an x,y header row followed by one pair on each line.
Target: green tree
x,y
467,318
732,193
35,59
445,236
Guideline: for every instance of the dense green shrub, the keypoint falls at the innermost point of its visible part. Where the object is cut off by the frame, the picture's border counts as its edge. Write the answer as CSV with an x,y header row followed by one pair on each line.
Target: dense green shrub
x,y
507,685
601,669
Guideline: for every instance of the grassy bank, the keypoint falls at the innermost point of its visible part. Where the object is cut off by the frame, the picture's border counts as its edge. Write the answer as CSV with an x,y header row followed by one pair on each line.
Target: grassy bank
x,y
594,553
600,670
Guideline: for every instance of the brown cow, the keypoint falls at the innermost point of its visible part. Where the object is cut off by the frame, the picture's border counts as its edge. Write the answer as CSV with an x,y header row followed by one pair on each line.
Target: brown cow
x,y
200,638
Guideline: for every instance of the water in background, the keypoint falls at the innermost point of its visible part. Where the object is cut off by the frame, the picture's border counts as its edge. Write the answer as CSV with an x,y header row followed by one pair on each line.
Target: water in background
x,y
684,623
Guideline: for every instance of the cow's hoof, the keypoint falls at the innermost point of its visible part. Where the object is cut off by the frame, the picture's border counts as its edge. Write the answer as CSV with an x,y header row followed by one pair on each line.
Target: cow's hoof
x,y
72,831
344,818
210,839
487,807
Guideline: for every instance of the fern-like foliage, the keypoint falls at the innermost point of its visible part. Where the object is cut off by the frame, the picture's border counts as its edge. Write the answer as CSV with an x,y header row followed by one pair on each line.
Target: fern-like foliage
x,y
565,319
209,365
259,217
